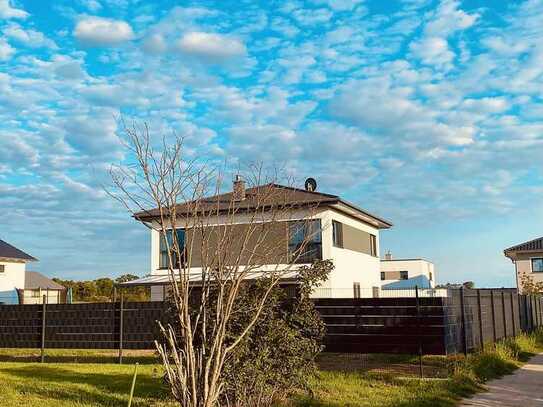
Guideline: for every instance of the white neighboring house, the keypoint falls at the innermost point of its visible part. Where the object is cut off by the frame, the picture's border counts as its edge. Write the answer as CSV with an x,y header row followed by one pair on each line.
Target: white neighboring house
x,y
38,288
12,272
407,273
347,235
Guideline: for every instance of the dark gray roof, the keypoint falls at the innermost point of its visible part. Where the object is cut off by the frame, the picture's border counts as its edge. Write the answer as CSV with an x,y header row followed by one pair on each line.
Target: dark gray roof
x,y
35,280
261,196
536,244
11,252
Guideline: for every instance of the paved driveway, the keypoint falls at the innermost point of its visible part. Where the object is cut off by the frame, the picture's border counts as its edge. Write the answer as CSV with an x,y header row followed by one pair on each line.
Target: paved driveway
x,y
524,388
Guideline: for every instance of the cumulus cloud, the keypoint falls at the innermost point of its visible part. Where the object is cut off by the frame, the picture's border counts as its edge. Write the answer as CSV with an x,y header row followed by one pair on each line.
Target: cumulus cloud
x,y
154,44
6,50
7,11
98,31
28,37
211,46
432,51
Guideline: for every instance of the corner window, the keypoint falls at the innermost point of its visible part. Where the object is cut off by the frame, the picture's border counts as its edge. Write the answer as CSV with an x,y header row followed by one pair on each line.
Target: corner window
x,y
373,245
163,259
404,275
431,276
305,241
537,265
383,276
2,268
337,232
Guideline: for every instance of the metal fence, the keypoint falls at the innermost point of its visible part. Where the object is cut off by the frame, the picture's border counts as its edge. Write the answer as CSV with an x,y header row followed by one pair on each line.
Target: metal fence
x,y
476,317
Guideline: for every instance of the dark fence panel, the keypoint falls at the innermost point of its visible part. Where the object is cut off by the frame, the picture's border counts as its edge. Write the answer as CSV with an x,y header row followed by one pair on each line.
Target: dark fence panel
x,y
383,325
462,322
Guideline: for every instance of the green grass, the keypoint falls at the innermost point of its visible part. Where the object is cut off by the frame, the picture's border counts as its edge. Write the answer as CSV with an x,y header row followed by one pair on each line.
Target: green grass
x,y
70,379
335,388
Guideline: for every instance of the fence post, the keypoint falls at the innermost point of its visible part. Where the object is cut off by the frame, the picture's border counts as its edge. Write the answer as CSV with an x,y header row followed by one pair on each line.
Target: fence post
x,y
493,316
417,303
121,316
480,315
532,319
513,315
42,355
504,316
463,311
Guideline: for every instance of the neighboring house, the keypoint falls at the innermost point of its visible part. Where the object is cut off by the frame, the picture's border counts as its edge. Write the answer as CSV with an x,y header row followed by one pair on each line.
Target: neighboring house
x,y
38,287
528,260
406,273
12,272
341,231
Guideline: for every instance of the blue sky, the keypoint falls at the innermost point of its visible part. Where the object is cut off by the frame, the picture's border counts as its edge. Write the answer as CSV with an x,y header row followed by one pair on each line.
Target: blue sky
x,y
428,113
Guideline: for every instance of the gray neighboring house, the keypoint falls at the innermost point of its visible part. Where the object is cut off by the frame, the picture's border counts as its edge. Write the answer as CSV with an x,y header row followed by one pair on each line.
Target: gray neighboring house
x,y
528,260
37,286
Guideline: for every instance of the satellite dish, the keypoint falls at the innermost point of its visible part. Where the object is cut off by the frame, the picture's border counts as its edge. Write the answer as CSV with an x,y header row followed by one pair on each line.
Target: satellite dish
x,y
310,184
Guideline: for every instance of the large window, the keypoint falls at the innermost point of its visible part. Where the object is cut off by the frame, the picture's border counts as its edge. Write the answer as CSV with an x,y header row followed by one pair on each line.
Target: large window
x,y
383,276
537,265
337,233
404,275
305,241
163,259
373,245
2,268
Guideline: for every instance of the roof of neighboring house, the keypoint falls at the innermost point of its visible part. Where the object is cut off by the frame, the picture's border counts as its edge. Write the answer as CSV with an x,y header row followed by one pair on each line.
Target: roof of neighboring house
x,y
35,280
276,195
532,245
8,251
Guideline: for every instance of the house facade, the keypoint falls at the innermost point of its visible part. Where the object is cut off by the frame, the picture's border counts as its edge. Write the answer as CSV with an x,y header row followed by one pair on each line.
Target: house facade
x,y
336,229
406,273
528,260
12,272
39,288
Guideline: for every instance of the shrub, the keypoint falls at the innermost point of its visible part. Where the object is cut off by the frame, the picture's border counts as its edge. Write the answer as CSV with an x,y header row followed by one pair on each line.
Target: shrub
x,y
278,356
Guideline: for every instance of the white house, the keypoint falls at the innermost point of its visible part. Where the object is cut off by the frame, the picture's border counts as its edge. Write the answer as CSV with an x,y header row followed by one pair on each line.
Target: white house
x,y
407,273
340,231
12,272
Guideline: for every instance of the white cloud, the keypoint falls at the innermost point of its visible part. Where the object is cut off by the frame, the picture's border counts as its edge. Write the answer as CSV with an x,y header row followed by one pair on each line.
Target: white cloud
x,y
98,31
28,37
6,50
154,44
432,51
211,46
7,11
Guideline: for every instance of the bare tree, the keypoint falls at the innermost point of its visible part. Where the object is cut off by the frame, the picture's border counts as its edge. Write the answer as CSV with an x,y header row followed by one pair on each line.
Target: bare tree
x,y
226,241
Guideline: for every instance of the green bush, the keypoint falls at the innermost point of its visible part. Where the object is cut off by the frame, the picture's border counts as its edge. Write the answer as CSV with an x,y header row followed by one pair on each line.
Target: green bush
x,y
278,356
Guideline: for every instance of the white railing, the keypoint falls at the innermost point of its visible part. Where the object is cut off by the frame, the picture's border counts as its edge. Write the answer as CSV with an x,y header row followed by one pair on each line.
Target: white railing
x,y
377,292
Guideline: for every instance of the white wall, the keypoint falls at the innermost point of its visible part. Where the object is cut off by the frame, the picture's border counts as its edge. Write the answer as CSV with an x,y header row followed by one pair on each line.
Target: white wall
x,y
414,268
350,266
36,296
13,277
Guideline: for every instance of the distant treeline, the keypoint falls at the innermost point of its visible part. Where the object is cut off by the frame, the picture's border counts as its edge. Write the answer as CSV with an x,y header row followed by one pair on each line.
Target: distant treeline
x,y
101,289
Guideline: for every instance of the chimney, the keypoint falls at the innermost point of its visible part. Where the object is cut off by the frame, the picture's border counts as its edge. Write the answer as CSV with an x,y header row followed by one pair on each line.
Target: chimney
x,y
238,189
388,255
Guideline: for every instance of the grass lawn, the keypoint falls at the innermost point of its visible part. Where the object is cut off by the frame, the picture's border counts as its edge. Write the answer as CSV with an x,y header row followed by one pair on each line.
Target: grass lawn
x,y
73,378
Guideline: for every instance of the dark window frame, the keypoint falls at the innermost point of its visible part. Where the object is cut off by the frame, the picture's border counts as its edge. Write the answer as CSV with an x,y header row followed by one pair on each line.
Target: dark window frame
x,y
404,276
383,276
2,268
312,249
373,245
163,249
532,264
337,234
